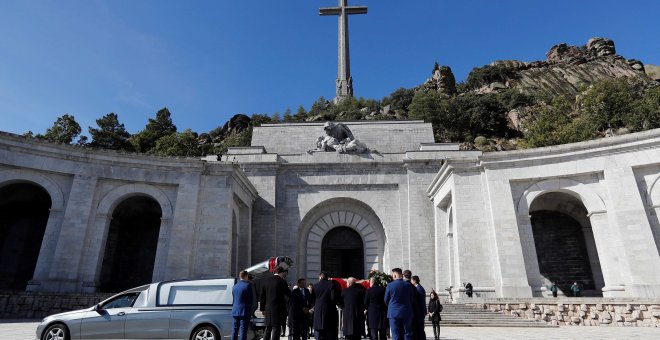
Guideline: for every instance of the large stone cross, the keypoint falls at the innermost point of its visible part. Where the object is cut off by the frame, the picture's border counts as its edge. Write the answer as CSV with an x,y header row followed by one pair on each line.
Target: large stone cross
x,y
344,79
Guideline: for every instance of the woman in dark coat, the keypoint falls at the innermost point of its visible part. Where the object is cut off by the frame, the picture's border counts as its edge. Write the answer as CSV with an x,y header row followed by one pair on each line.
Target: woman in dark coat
x,y
434,314
374,302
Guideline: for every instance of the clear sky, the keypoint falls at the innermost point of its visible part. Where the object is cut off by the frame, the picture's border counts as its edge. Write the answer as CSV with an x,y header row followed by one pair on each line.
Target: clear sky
x,y
207,60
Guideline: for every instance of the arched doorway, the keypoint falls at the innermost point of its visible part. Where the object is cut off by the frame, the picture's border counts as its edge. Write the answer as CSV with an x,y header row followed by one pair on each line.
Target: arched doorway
x,y
342,253
564,241
24,210
131,245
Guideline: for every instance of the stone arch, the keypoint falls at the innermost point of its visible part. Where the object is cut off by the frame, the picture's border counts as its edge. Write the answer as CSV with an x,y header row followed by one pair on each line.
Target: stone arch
x,y
98,233
54,224
591,200
653,194
340,212
564,242
53,189
115,196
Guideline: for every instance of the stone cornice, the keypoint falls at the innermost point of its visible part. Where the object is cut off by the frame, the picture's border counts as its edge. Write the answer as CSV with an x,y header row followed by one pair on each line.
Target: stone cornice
x,y
239,177
28,146
606,146
450,167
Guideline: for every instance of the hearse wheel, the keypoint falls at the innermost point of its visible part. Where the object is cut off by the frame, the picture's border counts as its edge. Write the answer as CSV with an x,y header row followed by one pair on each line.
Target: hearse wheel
x,y
205,333
56,331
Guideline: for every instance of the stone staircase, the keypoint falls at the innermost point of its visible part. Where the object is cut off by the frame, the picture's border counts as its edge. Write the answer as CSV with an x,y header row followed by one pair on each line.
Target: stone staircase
x,y
460,315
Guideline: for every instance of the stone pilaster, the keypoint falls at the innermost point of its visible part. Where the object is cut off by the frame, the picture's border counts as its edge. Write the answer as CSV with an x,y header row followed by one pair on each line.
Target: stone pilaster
x,y
626,212
64,270
507,258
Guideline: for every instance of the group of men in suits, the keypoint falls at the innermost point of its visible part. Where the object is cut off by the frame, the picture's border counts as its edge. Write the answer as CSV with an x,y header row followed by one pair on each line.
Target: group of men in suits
x,y
406,306
401,304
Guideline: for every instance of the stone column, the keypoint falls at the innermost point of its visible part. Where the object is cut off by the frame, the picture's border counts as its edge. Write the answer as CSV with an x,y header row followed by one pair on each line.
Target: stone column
x,y
244,234
606,240
594,259
530,256
160,262
94,251
47,251
442,250
507,260
64,271
627,214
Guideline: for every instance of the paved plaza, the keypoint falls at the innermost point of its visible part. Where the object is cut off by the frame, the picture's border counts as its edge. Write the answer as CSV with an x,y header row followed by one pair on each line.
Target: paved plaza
x,y
25,329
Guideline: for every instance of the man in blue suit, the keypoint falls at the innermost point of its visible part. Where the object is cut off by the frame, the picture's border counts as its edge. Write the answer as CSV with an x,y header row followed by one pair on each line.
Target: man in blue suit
x,y
241,309
399,297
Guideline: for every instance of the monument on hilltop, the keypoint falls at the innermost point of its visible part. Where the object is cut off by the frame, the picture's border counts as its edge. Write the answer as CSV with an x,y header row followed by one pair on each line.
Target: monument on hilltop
x,y
344,79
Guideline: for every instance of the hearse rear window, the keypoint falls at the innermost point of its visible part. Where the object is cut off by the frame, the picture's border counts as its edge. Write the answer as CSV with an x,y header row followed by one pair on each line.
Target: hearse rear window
x,y
200,292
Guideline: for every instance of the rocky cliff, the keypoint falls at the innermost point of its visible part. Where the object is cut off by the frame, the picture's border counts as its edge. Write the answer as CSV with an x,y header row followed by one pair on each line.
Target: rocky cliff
x,y
566,70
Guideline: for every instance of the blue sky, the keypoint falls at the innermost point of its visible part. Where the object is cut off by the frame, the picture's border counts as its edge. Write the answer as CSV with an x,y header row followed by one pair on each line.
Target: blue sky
x,y
208,60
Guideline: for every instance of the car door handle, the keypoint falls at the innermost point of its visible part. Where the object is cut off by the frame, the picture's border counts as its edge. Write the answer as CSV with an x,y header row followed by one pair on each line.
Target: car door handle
x,y
121,314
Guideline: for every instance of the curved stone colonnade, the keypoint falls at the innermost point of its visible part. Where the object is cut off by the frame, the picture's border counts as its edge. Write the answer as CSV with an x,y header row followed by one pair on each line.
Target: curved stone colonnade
x,y
492,200
199,203
450,216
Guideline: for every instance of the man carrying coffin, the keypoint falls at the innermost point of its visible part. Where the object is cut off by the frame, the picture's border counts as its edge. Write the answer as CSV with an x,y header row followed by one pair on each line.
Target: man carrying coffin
x,y
353,307
374,302
274,290
326,319
299,305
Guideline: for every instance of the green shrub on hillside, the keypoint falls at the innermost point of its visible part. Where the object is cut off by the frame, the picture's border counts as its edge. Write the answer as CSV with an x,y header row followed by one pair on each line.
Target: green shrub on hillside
x,y
480,76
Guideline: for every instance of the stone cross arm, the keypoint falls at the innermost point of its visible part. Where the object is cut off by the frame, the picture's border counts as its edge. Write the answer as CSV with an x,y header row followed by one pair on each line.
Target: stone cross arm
x,y
338,10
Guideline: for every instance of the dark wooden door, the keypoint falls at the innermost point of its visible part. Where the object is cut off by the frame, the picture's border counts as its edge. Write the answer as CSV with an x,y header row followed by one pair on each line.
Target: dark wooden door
x,y
342,253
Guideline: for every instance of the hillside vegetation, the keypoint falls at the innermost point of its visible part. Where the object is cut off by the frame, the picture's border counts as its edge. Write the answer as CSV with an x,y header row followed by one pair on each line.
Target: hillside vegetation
x,y
578,93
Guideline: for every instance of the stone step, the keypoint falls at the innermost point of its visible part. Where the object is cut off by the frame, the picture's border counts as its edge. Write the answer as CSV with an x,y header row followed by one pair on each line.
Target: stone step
x,y
459,315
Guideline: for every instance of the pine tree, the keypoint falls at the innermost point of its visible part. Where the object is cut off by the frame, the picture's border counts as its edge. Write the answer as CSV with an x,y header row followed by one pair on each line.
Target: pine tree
x,y
111,134
156,129
64,130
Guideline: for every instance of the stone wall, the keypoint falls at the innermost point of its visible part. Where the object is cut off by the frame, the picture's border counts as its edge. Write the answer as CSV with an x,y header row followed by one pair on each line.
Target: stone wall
x,y
32,305
582,312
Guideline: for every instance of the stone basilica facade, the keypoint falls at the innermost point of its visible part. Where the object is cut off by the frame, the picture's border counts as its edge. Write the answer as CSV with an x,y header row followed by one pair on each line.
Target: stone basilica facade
x,y
75,220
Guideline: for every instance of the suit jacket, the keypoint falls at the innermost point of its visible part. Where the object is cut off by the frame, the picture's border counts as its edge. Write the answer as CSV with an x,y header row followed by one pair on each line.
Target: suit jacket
x,y
297,306
243,299
274,291
353,304
374,301
325,306
421,301
399,297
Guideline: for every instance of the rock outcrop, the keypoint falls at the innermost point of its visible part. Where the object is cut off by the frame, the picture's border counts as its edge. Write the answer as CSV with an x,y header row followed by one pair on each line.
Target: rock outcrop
x,y
568,68
653,72
442,81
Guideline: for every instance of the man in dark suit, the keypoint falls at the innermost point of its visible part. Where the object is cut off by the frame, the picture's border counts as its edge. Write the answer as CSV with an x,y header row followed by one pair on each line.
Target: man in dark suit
x,y
299,304
407,277
420,307
325,309
274,290
353,307
241,309
399,296
374,302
